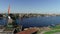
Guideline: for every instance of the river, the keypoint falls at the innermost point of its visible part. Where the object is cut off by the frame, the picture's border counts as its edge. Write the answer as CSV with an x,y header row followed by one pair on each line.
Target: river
x,y
35,21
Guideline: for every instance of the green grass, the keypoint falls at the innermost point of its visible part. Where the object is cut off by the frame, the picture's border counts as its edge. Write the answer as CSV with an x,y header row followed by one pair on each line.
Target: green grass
x,y
56,27
54,30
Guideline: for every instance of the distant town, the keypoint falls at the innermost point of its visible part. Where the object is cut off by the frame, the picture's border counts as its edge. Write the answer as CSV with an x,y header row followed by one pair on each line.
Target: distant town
x,y
25,15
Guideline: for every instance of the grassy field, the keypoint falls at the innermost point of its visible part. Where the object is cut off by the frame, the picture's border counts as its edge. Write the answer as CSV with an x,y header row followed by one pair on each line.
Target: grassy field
x,y
54,30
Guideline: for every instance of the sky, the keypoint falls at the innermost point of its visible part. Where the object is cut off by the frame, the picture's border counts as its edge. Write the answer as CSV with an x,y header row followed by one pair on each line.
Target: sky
x,y
30,6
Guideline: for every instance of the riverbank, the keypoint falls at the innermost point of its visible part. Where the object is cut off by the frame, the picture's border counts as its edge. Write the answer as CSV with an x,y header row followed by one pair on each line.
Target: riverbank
x,y
55,29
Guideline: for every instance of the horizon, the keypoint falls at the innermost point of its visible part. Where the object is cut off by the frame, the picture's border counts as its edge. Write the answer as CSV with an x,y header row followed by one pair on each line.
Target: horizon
x,y
30,6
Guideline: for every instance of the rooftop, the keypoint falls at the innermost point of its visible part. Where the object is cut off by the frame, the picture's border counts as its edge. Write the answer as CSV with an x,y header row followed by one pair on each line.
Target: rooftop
x,y
29,31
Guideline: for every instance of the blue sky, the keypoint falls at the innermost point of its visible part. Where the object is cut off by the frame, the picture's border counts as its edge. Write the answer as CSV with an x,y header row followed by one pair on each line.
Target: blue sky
x,y
30,6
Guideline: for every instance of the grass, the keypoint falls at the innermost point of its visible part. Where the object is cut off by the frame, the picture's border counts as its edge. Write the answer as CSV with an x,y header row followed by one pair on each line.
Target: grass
x,y
56,27
54,30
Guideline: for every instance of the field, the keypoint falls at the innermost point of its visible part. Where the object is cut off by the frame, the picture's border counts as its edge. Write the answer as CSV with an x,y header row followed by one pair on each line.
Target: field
x,y
55,29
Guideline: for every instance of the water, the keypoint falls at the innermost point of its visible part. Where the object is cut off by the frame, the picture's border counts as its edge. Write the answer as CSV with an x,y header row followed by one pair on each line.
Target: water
x,y
3,21
35,21
39,21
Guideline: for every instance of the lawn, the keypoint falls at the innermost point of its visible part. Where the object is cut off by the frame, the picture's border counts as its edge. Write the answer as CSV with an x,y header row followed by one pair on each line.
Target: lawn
x,y
54,30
